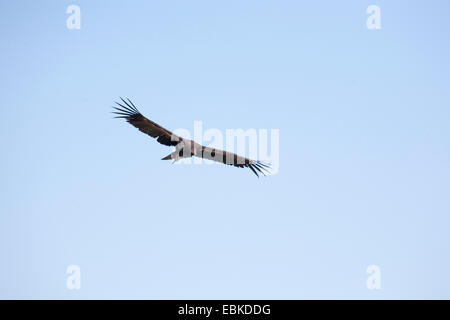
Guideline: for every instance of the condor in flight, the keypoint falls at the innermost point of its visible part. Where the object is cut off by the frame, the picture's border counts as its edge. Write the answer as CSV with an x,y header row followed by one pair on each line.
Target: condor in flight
x,y
184,148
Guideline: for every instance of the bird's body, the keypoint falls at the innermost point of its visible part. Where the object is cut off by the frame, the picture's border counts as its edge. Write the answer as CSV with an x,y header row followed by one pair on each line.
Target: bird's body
x,y
184,148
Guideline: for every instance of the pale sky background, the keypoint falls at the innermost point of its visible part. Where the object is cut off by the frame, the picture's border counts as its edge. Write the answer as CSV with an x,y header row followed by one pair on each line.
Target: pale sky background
x,y
364,150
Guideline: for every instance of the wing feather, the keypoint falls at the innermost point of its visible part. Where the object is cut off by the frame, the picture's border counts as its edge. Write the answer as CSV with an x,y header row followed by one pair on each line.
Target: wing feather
x,y
233,159
129,112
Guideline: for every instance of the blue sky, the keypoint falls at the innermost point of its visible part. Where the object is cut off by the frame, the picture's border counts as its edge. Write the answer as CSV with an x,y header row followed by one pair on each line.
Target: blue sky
x,y
364,150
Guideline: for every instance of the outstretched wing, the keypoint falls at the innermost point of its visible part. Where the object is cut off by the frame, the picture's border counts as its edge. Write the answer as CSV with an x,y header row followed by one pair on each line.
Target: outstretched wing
x,y
233,159
129,112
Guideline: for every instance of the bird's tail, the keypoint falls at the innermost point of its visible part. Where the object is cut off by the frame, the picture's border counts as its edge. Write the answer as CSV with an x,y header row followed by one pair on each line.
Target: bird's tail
x,y
167,157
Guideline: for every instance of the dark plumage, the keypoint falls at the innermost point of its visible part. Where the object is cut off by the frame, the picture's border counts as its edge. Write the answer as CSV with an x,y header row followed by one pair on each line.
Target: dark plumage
x,y
184,148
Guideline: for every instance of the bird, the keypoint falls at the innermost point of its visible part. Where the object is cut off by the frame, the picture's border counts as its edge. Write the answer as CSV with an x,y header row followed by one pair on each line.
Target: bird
x,y
184,148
